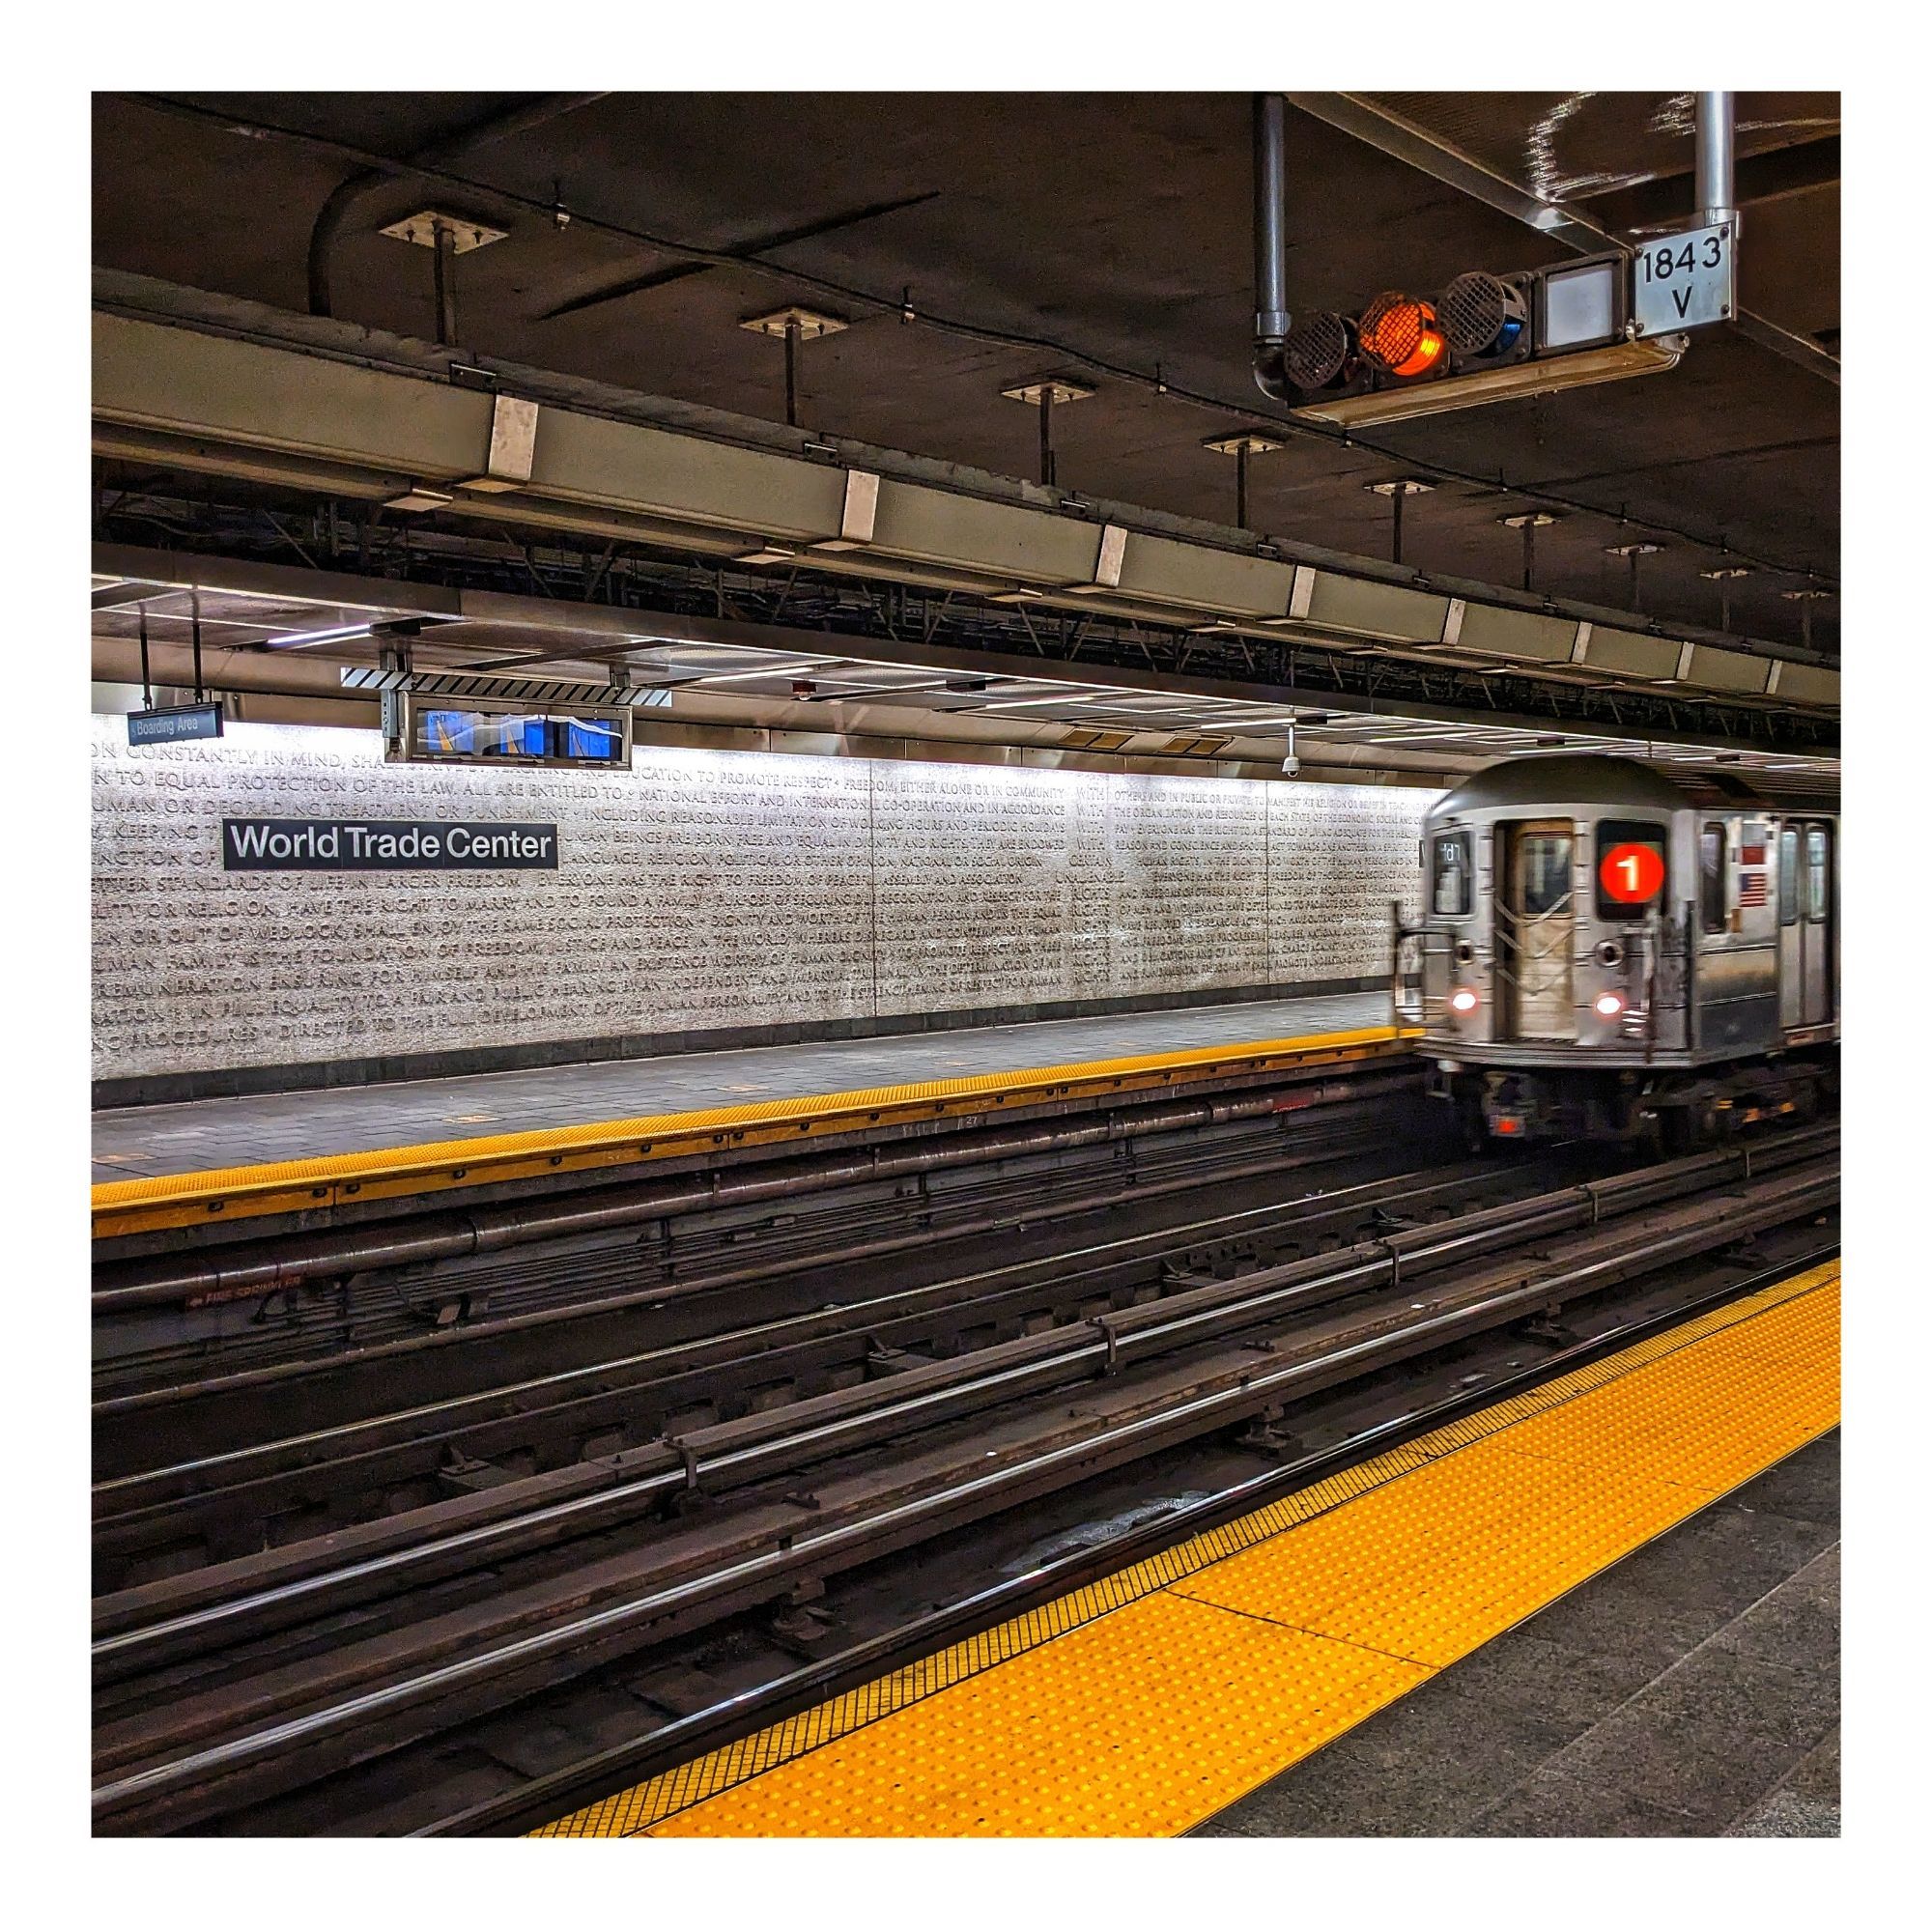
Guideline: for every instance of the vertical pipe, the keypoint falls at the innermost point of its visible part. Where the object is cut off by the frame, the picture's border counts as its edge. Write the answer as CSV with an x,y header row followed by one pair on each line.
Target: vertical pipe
x,y
791,375
1242,487
1396,501
1528,552
446,285
194,610
1270,219
147,681
1046,434
1716,157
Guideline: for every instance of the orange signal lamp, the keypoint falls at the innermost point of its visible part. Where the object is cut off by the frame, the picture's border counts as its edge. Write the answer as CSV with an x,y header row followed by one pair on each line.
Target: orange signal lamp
x,y
1400,334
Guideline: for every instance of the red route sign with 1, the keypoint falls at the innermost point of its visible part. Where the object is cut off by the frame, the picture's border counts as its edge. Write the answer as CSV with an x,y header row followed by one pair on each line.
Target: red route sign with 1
x,y
1632,873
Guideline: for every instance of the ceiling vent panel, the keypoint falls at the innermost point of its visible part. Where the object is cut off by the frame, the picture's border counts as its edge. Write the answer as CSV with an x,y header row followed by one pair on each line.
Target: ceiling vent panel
x,y
1808,683
967,532
1727,669
1517,636
1158,570
1628,653
1377,608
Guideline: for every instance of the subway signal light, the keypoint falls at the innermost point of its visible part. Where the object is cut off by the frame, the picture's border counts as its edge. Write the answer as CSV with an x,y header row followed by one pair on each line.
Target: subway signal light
x,y
1486,318
1400,335
1322,353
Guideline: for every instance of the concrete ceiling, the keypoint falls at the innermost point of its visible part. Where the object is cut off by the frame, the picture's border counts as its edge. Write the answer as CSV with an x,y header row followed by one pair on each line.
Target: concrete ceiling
x,y
1110,229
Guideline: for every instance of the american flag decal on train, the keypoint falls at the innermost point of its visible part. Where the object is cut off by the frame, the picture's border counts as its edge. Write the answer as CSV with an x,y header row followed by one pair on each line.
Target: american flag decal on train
x,y
1752,887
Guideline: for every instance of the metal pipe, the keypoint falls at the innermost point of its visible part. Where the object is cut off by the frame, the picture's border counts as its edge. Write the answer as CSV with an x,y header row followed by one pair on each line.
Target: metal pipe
x,y
446,285
1271,316
1717,158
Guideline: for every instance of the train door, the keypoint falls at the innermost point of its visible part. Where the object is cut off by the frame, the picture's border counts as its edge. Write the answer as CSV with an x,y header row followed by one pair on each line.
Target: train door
x,y
1805,893
1790,930
1536,928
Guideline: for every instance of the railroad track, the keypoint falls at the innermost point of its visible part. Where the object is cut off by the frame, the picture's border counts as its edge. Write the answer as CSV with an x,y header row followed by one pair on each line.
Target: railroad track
x,y
423,1277
238,1685
391,1433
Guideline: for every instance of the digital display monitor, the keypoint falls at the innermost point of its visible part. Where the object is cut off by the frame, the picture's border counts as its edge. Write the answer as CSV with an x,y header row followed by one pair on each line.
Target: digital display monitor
x,y
447,734
497,736
593,740
525,736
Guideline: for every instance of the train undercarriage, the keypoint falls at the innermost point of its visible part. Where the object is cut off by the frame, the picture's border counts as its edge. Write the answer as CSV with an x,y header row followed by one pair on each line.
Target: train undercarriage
x,y
1672,1111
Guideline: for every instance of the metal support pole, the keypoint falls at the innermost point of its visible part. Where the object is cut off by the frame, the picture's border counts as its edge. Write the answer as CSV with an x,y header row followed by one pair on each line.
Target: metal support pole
x,y
1633,554
1717,153
1529,522
194,612
791,375
446,285
1046,434
1242,487
1395,534
147,681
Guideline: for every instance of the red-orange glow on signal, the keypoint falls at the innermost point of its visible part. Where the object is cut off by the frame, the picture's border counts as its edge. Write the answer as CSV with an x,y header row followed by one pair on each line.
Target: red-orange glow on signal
x,y
1402,335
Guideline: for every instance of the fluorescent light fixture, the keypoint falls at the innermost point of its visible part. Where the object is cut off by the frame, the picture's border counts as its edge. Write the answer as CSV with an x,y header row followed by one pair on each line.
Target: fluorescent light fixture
x,y
309,639
753,675
416,500
1025,702
1581,370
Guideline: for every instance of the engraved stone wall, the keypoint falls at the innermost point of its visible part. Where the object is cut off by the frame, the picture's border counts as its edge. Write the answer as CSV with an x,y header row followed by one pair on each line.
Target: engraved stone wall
x,y
705,890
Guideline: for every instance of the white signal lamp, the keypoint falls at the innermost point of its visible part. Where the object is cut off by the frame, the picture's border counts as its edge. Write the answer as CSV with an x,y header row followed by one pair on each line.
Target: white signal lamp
x,y
1463,1000
1609,1004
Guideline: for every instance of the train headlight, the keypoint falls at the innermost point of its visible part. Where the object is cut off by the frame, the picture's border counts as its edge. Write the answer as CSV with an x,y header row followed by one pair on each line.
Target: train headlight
x,y
1609,1004
1462,1001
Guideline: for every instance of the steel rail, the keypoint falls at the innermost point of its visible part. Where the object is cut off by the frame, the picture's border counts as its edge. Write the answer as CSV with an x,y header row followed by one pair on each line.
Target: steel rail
x,y
1214,1312
763,1444
560,1791
1065,1271
202,1773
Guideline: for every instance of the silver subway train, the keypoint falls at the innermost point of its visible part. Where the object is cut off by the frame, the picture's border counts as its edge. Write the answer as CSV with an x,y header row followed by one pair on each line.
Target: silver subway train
x,y
1605,955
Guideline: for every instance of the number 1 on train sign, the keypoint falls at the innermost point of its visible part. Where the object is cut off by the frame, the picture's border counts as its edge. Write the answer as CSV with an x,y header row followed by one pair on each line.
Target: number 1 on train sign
x,y
1632,873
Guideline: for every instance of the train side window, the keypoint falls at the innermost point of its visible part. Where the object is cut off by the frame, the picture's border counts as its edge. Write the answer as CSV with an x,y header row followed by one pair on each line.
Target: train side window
x,y
1711,914
1787,875
1632,870
1449,896
1817,874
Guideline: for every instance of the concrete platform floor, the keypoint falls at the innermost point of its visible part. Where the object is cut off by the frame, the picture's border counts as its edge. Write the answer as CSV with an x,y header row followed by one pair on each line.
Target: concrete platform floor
x,y
1692,1690
147,1140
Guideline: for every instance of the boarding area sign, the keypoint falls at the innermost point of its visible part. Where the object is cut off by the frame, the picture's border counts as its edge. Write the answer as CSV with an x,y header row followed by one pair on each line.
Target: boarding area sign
x,y
364,843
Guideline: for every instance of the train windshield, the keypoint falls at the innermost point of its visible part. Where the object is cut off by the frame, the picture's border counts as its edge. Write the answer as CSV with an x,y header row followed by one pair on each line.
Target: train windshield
x,y
1449,896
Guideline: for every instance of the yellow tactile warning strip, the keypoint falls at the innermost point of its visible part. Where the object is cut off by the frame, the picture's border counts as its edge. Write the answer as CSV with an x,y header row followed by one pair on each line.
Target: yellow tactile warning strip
x,y
191,1198
1151,1700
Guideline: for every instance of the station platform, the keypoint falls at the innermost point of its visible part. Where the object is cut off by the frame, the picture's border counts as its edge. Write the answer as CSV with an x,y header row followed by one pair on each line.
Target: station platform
x,y
162,1165
1331,1664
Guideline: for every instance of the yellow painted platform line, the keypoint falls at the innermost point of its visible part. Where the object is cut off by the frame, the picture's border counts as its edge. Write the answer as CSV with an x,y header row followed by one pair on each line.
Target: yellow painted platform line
x,y
193,1198
1145,1704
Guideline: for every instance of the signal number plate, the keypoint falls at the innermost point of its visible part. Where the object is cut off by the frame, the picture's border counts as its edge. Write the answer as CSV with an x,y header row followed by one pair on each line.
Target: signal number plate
x,y
1684,282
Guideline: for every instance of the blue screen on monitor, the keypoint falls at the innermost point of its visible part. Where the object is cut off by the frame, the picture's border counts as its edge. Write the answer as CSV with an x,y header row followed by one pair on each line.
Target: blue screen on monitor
x,y
593,740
